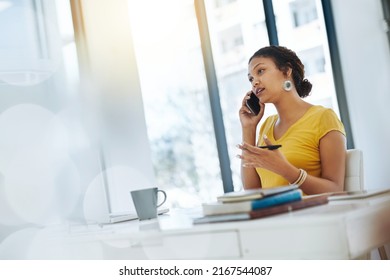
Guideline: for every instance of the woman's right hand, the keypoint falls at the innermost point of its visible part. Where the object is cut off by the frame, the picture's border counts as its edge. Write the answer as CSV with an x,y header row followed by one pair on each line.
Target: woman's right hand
x,y
247,118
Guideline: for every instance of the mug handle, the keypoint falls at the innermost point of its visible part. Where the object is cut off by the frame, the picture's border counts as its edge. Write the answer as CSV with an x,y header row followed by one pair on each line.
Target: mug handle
x,y
165,197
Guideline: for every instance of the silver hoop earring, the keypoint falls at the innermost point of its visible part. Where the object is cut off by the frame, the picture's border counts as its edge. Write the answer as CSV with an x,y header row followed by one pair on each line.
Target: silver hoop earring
x,y
287,85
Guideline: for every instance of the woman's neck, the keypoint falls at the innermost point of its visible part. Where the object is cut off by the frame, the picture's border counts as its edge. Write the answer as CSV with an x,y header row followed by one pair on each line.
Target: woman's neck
x,y
291,108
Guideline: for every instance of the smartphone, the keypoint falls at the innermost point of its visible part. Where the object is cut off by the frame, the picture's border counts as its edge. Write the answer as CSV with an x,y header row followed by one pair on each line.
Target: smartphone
x,y
253,104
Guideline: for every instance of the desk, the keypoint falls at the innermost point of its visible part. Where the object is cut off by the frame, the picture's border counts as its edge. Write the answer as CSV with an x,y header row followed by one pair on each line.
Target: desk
x,y
339,230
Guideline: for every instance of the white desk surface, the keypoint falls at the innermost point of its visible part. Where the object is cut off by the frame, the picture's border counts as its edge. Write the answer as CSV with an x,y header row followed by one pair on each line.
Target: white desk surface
x,y
344,229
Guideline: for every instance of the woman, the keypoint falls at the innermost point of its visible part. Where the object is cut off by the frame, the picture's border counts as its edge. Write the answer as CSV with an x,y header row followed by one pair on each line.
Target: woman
x,y
313,139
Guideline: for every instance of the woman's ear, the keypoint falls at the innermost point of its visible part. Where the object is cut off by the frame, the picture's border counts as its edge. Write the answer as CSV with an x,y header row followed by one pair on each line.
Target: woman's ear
x,y
287,70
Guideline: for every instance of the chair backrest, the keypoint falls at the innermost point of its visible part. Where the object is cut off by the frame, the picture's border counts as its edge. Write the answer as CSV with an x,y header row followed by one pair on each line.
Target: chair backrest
x,y
354,173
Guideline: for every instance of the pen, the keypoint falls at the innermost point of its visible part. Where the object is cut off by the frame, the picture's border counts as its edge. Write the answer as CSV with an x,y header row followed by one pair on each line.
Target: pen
x,y
270,147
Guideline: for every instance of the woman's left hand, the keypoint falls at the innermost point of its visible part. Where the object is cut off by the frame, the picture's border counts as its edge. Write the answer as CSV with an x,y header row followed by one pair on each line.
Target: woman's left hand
x,y
253,156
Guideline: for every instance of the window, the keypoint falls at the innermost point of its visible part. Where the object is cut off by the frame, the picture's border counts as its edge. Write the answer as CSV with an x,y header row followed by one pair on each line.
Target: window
x,y
231,39
176,101
308,39
221,3
247,26
386,14
303,12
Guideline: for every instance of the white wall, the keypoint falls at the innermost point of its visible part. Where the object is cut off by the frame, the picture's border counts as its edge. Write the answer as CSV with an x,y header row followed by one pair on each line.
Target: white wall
x,y
365,58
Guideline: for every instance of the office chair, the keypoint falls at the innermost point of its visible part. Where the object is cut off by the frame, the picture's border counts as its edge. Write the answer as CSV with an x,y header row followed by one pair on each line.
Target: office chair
x,y
354,172
354,180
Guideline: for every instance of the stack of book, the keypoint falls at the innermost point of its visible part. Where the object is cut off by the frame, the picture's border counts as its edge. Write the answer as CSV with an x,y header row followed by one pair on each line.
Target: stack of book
x,y
258,203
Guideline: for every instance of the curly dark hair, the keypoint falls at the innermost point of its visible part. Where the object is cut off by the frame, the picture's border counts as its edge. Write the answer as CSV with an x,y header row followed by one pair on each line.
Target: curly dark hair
x,y
284,59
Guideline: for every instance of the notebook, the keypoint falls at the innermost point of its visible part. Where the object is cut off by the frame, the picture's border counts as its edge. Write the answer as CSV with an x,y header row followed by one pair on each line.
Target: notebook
x,y
251,194
357,194
123,217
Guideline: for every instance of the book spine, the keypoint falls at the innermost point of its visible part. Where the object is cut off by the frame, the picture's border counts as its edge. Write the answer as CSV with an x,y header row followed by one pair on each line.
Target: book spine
x,y
277,199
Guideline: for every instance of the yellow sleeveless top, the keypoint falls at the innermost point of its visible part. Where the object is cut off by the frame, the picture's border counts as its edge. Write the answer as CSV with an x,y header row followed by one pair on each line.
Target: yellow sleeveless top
x,y
300,143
